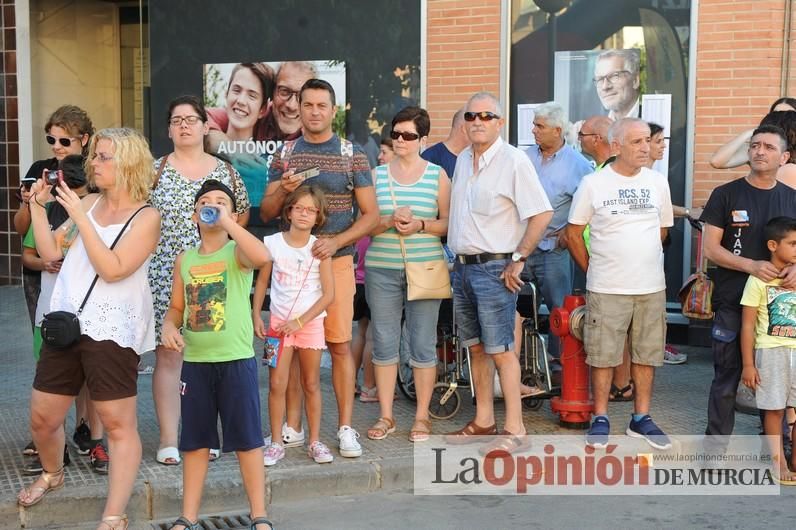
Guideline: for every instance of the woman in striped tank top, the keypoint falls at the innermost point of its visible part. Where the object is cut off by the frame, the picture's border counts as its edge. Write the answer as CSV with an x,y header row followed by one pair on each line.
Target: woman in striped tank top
x,y
413,197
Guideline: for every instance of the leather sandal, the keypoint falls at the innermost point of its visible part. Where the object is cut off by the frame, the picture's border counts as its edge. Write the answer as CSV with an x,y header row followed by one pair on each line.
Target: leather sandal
x,y
36,494
113,522
184,522
618,394
260,520
381,429
506,442
466,434
421,431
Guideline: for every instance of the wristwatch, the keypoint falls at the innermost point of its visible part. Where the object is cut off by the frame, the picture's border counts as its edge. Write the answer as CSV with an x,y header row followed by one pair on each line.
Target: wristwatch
x,y
516,256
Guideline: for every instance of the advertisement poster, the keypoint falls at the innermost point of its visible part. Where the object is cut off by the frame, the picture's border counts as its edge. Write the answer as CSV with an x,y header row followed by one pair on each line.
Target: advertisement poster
x,y
253,108
599,82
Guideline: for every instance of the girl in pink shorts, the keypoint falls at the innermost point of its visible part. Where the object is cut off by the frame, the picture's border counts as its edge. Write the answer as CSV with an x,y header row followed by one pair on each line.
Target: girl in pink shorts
x,y
301,289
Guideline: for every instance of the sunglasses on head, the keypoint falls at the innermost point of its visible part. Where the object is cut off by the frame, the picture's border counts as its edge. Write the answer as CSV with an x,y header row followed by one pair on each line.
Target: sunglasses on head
x,y
65,142
407,136
483,115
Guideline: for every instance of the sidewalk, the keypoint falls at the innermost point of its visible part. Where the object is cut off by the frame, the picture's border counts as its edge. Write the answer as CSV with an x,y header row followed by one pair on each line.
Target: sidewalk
x,y
679,406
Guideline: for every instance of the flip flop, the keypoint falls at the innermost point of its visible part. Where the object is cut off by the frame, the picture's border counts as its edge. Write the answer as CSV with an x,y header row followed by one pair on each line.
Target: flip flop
x,y
168,456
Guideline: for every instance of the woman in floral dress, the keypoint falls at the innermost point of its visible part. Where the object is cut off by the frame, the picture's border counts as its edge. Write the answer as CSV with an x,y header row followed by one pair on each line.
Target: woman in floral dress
x,y
180,174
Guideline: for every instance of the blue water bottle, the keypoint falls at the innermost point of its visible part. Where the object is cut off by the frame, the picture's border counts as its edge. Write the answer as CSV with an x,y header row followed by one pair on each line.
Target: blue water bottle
x,y
208,215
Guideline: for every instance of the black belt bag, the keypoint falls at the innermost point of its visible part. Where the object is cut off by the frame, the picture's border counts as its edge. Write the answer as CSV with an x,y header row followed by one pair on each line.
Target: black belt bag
x,y
61,329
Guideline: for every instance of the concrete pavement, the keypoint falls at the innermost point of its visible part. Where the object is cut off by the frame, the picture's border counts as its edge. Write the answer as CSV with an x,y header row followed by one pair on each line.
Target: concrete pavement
x,y
679,407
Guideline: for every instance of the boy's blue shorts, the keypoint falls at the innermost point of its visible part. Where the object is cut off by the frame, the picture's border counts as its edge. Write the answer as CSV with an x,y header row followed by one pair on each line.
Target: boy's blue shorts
x,y
228,389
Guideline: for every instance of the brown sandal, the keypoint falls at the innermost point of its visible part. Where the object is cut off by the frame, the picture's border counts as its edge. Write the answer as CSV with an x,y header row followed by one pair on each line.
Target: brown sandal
x,y
381,429
115,522
421,431
36,494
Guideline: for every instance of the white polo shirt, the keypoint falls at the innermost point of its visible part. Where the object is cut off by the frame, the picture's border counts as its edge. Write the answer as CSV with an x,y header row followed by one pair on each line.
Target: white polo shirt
x,y
490,208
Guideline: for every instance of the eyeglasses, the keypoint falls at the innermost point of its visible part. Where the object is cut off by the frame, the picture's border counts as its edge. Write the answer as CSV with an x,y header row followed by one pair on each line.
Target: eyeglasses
x,y
305,209
483,115
612,78
285,93
582,135
407,136
65,142
190,120
102,157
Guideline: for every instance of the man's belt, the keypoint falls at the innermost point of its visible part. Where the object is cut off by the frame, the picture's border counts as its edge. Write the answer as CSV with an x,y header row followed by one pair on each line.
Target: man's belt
x,y
481,258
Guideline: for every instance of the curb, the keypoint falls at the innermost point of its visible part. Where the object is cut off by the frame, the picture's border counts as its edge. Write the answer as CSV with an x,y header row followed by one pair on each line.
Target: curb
x,y
162,500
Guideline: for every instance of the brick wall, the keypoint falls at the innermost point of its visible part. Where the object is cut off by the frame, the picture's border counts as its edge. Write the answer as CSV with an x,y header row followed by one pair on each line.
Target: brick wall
x,y
463,56
739,57
10,243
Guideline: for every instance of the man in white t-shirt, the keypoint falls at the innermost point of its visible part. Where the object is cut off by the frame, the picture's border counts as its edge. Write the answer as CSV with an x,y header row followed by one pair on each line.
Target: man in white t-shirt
x,y
629,209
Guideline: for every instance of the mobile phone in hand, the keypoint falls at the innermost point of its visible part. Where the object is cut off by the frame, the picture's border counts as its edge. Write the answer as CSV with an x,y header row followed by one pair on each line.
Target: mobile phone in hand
x,y
307,173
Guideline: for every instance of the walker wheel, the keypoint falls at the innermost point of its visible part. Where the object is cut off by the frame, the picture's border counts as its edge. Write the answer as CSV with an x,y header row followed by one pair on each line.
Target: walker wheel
x,y
440,410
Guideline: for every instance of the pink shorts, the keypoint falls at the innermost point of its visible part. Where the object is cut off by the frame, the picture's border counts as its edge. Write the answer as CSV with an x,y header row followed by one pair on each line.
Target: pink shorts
x,y
310,337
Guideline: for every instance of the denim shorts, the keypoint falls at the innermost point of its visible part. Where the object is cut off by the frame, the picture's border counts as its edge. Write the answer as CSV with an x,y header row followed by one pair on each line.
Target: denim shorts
x,y
386,293
227,389
484,307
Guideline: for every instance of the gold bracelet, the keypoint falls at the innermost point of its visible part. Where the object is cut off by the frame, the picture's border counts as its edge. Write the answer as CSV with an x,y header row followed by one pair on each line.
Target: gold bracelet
x,y
299,322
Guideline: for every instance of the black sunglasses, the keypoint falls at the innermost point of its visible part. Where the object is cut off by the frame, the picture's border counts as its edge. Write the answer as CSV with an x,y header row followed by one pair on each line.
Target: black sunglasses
x,y
407,136
66,142
484,115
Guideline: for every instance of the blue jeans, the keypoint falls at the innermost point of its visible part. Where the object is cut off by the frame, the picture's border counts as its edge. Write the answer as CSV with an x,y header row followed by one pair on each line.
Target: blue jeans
x,y
484,307
552,273
386,294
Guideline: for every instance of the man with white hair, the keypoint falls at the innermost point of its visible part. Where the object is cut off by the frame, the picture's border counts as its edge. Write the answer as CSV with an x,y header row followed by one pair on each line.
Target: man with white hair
x,y
618,82
629,209
498,214
560,169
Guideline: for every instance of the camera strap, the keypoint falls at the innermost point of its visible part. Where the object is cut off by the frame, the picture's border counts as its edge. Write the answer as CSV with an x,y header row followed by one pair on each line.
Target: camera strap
x,y
96,276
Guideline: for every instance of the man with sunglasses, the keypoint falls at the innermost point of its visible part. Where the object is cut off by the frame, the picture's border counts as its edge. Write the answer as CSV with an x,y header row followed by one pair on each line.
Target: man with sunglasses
x,y
345,178
618,84
499,212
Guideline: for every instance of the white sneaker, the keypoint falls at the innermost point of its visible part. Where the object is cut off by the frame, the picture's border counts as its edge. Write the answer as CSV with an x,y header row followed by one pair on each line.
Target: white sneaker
x,y
348,444
273,454
291,437
320,453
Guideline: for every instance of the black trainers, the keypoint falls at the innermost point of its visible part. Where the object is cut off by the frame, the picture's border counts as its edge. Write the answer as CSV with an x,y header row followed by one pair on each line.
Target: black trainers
x,y
82,438
34,467
99,458
30,450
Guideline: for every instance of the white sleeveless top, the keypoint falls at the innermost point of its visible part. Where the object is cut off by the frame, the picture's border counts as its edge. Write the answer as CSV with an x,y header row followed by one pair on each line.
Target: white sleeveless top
x,y
119,311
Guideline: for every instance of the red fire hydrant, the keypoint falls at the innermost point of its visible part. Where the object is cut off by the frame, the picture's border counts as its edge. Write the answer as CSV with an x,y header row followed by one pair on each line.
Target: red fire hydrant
x,y
575,406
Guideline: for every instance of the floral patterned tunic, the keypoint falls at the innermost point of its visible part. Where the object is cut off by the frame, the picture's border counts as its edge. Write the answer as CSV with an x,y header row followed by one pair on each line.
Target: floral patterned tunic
x,y
174,198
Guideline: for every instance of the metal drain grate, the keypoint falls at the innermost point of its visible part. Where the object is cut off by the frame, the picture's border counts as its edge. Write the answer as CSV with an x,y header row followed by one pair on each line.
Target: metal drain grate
x,y
214,522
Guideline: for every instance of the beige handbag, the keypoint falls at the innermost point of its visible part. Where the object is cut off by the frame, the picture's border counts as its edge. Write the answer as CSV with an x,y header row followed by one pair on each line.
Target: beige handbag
x,y
426,280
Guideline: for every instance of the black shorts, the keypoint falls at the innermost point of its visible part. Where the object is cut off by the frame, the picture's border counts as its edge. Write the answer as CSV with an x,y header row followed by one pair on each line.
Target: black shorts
x,y
361,308
109,371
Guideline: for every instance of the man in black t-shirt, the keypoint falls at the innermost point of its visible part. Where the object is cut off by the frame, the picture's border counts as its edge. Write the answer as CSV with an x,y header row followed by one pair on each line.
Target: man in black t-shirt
x,y
734,217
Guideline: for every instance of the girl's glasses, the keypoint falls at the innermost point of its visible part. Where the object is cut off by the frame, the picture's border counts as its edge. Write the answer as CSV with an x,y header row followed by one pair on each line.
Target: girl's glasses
x,y
304,209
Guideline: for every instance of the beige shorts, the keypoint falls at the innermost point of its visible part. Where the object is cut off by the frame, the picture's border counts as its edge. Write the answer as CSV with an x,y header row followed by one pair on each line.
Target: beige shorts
x,y
611,318
340,313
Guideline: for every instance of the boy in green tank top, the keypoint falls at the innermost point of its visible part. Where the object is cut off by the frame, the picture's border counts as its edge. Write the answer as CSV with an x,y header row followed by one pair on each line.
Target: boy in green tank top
x,y
210,302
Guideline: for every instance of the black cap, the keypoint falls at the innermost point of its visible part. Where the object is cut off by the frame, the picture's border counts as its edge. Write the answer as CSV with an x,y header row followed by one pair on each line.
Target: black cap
x,y
215,185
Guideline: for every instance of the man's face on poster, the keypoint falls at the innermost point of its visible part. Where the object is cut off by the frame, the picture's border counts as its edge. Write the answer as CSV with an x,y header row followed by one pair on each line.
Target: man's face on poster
x,y
617,88
286,104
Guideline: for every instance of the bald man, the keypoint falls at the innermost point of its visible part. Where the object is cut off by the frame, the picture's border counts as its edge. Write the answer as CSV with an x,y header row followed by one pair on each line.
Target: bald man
x,y
593,138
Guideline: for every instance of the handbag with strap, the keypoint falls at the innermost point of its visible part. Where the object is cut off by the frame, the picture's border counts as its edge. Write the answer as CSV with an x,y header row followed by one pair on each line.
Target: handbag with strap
x,y
695,294
425,280
61,329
